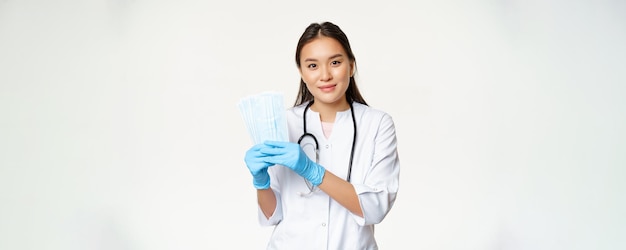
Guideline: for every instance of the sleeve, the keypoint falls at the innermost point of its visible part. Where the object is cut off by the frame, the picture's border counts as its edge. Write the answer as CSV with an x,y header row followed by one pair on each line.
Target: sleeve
x,y
378,192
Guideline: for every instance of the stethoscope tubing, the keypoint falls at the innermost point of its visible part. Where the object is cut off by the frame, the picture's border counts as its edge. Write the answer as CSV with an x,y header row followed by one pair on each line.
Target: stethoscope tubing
x,y
317,147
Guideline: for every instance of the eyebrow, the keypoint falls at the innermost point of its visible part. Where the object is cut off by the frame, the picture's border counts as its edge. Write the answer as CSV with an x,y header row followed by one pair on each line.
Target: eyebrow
x,y
314,60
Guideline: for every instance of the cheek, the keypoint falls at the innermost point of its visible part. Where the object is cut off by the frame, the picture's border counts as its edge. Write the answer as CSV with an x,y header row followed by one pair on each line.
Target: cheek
x,y
307,80
343,73
308,77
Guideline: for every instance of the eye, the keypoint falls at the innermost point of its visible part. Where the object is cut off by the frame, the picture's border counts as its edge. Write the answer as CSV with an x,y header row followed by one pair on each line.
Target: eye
x,y
335,63
312,66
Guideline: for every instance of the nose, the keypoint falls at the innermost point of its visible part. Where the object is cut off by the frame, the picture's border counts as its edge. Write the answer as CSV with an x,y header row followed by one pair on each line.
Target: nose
x,y
326,74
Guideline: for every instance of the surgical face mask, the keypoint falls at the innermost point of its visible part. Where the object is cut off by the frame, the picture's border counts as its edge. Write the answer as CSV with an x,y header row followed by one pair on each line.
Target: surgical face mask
x,y
264,117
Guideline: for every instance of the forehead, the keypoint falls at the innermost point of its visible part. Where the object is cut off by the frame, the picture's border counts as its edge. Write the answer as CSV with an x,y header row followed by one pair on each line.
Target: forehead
x,y
322,47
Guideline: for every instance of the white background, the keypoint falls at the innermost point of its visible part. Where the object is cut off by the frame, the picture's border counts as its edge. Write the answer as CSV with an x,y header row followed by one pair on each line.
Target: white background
x,y
119,127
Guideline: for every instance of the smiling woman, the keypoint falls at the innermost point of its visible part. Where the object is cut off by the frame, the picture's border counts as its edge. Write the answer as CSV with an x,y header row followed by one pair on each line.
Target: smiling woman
x,y
333,201
118,128
326,70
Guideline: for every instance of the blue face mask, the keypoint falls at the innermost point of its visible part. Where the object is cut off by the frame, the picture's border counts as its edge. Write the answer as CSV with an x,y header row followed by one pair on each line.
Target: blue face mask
x,y
264,116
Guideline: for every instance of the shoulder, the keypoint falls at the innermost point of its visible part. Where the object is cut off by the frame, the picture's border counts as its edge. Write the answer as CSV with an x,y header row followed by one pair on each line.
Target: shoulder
x,y
296,110
374,124
368,112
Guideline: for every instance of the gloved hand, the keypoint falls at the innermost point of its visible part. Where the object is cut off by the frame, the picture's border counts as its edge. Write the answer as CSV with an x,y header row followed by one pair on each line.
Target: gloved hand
x,y
258,167
291,155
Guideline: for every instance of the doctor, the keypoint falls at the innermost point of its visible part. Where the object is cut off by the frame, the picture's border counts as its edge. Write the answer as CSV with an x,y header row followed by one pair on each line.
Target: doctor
x,y
332,198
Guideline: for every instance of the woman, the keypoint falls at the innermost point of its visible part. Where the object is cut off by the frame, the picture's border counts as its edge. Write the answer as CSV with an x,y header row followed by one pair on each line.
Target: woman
x,y
333,199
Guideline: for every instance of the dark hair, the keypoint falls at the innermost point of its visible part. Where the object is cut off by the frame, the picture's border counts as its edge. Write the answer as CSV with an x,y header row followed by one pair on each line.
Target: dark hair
x,y
331,30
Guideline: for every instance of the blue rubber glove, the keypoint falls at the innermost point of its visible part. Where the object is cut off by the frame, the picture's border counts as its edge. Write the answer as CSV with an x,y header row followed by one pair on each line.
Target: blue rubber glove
x,y
291,155
258,167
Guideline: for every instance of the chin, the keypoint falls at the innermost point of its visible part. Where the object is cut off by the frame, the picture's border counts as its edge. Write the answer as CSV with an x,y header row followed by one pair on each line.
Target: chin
x,y
327,98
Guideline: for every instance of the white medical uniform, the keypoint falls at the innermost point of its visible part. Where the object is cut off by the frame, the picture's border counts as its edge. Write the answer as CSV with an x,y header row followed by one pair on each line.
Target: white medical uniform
x,y
316,221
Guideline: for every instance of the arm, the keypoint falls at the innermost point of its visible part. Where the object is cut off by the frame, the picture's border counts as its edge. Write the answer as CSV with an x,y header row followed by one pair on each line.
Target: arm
x,y
341,191
291,155
267,201
378,191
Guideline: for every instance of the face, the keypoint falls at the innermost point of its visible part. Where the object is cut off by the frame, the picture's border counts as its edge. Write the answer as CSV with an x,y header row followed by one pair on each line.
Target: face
x,y
326,70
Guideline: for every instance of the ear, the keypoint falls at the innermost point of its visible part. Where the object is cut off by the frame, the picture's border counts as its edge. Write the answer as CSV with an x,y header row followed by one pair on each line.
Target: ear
x,y
352,69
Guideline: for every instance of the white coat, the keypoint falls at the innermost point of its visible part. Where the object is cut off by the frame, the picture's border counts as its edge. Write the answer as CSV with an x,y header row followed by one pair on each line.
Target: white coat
x,y
316,221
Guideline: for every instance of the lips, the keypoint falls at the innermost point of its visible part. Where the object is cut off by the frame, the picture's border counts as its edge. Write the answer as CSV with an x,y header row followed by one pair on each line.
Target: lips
x,y
328,88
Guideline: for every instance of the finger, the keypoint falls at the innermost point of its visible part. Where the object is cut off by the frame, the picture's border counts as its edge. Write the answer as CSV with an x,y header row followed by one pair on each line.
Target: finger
x,y
272,160
264,160
257,150
276,144
272,151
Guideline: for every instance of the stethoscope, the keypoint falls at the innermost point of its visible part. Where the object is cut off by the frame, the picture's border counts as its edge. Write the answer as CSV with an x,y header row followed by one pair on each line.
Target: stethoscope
x,y
317,146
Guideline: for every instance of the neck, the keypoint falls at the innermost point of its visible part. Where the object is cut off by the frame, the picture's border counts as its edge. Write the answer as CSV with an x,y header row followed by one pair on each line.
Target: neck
x,y
328,111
